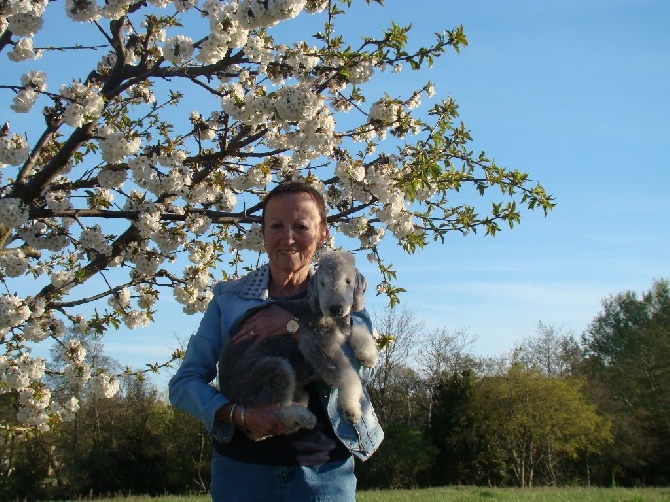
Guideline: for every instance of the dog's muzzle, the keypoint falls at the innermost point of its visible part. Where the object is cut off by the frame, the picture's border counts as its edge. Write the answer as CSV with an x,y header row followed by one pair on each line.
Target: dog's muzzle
x,y
337,310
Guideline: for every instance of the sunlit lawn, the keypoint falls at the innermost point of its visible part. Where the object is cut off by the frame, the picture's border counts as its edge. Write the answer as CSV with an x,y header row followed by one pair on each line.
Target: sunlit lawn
x,y
472,493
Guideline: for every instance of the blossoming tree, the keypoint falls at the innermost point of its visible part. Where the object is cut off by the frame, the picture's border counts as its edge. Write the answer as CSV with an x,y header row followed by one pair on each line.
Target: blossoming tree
x,y
117,194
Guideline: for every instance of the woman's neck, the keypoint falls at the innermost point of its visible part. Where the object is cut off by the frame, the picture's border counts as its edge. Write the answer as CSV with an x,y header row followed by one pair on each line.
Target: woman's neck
x,y
283,285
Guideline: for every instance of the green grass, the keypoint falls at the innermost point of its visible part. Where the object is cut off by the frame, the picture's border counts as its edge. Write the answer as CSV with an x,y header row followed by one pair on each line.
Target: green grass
x,y
472,493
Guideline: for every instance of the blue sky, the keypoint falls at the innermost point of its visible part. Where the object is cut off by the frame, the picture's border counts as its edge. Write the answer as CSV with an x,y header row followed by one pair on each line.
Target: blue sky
x,y
575,93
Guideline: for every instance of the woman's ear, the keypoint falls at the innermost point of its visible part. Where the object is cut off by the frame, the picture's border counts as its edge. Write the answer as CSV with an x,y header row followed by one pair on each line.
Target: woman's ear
x,y
359,292
324,237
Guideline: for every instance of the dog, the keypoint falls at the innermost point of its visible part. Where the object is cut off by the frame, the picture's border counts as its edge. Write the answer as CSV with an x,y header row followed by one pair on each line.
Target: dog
x,y
276,370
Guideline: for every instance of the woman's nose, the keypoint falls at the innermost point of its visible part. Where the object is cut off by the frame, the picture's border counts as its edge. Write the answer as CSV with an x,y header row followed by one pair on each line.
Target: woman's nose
x,y
288,235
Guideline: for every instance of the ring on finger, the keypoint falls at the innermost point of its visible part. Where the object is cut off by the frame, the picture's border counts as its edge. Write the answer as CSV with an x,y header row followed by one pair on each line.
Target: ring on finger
x,y
252,332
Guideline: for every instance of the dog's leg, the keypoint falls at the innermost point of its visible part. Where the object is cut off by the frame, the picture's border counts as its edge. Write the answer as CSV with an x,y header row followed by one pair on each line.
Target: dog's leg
x,y
349,395
363,345
336,371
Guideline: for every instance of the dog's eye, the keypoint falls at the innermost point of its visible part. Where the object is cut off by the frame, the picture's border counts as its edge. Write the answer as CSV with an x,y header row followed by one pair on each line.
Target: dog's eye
x,y
347,280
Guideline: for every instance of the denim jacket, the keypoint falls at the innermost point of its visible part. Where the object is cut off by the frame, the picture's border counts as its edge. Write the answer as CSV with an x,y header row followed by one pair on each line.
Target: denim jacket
x,y
190,388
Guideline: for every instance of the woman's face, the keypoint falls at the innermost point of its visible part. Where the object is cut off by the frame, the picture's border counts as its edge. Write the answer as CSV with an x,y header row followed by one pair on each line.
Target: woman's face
x,y
293,231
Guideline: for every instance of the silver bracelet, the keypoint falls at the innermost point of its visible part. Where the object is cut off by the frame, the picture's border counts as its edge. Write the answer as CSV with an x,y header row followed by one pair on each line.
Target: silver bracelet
x,y
232,410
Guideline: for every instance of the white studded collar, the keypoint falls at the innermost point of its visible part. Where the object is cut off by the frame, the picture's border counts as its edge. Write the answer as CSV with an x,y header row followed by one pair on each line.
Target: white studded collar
x,y
256,284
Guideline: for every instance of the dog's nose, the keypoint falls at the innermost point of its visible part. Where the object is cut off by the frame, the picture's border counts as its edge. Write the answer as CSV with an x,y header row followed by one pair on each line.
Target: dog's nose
x,y
336,310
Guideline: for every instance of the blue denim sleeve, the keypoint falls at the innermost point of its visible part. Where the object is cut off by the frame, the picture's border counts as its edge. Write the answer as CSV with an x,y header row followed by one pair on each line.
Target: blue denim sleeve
x,y
190,388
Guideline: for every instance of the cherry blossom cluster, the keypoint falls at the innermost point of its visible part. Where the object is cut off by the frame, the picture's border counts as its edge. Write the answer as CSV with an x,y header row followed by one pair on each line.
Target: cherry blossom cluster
x,y
32,83
14,150
84,103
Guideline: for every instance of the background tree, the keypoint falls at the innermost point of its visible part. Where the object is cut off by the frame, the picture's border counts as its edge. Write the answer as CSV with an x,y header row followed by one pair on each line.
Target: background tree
x,y
396,384
400,460
627,360
442,354
468,452
550,350
121,191
539,421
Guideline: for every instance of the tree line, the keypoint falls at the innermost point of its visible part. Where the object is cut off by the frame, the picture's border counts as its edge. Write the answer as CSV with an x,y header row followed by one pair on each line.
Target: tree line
x,y
558,409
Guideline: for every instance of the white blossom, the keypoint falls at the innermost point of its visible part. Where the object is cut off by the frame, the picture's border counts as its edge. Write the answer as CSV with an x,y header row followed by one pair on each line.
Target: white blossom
x,y
13,311
77,373
198,223
25,24
62,280
178,49
79,324
58,200
226,201
13,213
384,111
24,100
82,10
23,51
146,264
201,252
116,146
148,223
92,238
184,5
66,411
14,150
105,385
120,299
296,103
265,13
147,297
13,263
347,170
84,103
74,351
115,9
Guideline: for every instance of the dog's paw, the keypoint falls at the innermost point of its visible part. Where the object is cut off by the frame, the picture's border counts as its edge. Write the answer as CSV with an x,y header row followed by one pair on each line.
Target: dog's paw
x,y
367,356
297,417
352,415
305,419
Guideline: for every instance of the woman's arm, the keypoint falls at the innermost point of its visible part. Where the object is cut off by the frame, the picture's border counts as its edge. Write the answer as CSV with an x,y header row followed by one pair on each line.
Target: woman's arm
x,y
190,389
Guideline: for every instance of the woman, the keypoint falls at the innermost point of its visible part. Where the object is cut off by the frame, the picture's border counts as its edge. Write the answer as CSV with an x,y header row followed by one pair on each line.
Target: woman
x,y
314,464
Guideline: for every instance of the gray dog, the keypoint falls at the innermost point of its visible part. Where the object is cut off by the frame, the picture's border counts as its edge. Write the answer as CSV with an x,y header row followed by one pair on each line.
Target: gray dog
x,y
277,370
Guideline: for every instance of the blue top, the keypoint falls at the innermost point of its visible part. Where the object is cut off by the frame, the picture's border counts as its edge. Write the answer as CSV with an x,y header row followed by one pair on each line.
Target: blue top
x,y
190,388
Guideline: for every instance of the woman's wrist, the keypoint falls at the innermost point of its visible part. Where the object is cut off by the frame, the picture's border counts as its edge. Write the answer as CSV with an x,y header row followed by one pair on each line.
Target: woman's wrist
x,y
233,413
227,412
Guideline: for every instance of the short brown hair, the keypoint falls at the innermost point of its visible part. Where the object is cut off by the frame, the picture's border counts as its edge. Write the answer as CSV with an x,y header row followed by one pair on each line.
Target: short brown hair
x,y
296,187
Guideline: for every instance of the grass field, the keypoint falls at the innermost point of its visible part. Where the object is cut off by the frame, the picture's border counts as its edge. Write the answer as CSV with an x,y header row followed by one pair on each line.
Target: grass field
x,y
473,493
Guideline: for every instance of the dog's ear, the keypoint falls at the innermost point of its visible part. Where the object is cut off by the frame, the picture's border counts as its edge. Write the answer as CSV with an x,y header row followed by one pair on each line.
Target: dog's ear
x,y
313,292
359,292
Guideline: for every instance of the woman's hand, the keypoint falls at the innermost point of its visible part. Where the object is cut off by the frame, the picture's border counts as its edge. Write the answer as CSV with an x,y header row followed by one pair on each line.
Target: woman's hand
x,y
270,321
260,421
263,421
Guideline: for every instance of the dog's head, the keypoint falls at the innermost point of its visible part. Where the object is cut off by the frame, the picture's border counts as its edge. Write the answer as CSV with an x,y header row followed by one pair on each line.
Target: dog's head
x,y
336,289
